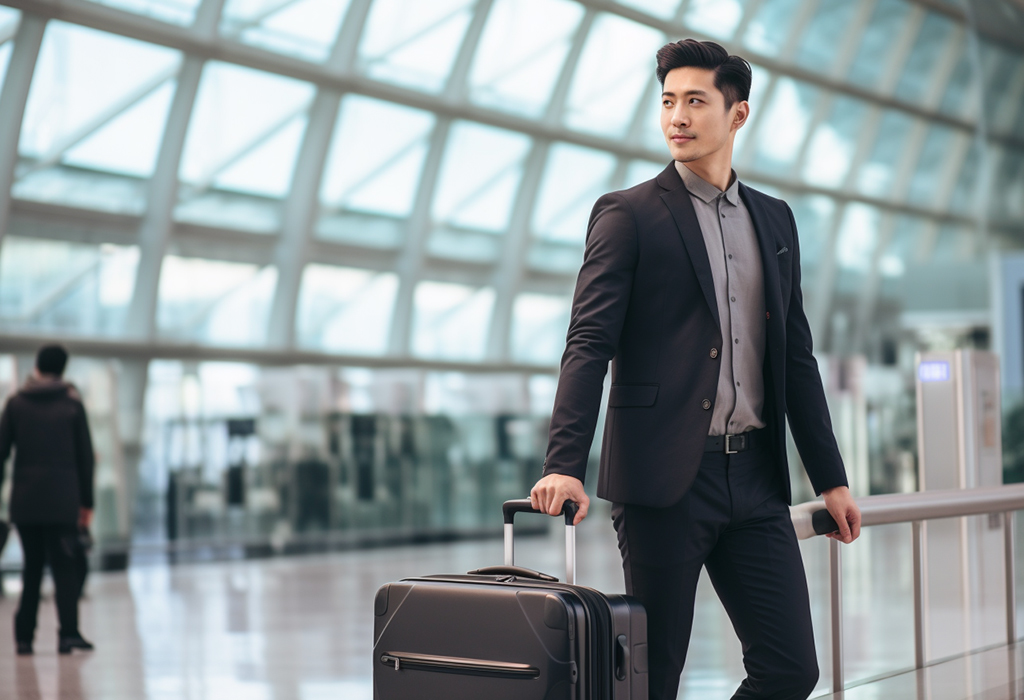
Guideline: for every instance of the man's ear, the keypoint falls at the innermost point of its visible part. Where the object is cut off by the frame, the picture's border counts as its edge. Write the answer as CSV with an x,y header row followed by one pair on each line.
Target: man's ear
x,y
742,114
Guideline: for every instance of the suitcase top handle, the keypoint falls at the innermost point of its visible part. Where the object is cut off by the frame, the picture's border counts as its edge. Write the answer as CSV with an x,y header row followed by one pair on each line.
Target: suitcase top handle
x,y
523,505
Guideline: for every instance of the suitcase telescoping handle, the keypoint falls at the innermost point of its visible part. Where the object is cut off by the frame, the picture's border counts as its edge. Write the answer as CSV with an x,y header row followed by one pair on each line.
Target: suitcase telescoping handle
x,y
523,505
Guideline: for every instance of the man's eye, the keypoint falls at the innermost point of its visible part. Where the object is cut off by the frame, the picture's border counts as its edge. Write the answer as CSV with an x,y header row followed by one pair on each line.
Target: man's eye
x,y
665,103
694,99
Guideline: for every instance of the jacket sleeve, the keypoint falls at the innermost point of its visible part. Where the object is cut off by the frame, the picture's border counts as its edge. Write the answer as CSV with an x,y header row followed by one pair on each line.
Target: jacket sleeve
x,y
6,440
598,311
805,396
86,459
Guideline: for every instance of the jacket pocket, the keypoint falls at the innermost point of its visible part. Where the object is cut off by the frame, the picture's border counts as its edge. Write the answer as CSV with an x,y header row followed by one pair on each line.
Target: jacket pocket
x,y
632,395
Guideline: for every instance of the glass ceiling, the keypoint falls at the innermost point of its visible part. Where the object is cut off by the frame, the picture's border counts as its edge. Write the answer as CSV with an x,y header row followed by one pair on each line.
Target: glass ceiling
x,y
404,173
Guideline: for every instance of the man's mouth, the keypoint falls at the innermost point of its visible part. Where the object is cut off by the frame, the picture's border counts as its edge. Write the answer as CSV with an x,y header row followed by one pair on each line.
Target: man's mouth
x,y
682,138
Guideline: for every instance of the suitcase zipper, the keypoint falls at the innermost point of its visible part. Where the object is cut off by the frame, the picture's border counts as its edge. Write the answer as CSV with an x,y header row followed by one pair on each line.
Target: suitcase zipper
x,y
457,664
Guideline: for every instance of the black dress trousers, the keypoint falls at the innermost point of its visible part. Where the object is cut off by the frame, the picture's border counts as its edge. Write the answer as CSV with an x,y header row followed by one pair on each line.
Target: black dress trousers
x,y
734,522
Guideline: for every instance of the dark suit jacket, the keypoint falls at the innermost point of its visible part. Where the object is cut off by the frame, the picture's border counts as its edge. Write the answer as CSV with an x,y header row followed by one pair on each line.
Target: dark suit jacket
x,y
53,464
645,300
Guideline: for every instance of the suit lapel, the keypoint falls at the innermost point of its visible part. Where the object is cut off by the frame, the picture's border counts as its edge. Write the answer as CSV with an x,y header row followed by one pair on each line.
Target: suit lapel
x,y
678,201
770,265
769,251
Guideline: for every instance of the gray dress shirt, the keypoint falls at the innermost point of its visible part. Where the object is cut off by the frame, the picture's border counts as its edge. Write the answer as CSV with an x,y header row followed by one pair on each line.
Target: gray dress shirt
x,y
739,290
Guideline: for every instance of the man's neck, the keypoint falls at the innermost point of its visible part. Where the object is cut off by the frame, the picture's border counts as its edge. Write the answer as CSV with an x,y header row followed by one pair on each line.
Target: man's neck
x,y
720,179
715,168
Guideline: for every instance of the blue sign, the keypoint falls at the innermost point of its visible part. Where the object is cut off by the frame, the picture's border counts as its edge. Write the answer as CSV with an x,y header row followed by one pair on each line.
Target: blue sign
x,y
934,371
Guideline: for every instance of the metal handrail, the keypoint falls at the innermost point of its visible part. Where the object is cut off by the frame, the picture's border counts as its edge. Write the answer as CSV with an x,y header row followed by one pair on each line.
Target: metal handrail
x,y
915,508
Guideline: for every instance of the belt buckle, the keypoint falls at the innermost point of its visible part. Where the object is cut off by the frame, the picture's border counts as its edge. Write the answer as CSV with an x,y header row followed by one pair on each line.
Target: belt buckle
x,y
728,443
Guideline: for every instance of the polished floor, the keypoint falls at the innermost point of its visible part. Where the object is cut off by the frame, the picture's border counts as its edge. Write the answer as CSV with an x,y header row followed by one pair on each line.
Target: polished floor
x,y
993,674
300,628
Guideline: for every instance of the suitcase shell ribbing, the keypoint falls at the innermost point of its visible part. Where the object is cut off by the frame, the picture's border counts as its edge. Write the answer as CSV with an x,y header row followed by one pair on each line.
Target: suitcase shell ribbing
x,y
506,636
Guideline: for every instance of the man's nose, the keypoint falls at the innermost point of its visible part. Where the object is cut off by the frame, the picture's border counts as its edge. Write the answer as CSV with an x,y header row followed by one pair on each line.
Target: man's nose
x,y
680,118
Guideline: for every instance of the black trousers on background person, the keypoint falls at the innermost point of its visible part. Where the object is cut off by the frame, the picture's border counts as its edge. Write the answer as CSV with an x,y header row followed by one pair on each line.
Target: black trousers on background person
x,y
56,544
734,521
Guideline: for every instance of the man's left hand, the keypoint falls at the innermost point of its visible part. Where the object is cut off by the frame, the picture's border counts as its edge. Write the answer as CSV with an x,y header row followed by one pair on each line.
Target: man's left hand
x,y
845,512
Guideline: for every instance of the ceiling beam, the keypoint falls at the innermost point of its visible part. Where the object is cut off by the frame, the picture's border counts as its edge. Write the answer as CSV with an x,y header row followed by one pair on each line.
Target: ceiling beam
x,y
166,350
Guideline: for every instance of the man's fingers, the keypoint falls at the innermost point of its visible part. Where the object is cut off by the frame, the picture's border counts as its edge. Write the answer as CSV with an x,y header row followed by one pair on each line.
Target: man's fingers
x,y
855,523
537,499
550,494
584,504
844,527
545,503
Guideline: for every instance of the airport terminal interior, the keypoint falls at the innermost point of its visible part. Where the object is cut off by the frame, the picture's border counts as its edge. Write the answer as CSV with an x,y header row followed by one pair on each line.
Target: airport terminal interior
x,y
314,262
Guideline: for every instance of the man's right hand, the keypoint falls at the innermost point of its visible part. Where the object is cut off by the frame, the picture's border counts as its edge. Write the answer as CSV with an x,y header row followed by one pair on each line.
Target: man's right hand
x,y
553,490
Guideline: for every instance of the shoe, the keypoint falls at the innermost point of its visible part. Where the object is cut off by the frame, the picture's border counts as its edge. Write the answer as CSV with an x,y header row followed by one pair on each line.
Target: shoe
x,y
24,648
66,644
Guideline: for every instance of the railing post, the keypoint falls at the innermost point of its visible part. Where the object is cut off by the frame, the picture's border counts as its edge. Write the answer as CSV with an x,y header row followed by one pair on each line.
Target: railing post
x,y
835,566
1011,590
920,596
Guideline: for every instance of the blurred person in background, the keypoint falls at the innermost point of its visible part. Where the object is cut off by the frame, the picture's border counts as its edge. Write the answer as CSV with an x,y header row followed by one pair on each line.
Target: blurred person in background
x,y
51,494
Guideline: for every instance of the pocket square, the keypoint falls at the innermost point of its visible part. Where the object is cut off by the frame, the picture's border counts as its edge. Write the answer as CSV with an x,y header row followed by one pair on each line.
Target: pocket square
x,y
784,250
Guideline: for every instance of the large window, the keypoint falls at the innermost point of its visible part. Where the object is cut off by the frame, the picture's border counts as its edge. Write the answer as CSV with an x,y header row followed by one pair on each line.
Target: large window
x,y
241,146
95,115
304,28
345,310
215,302
57,287
451,321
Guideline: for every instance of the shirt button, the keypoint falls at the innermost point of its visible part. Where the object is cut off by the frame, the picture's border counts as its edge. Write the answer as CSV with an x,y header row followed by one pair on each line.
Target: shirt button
x,y
706,404
723,214
732,298
714,353
737,341
730,257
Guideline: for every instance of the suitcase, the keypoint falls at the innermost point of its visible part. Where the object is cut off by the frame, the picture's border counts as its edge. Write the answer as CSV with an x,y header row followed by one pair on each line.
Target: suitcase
x,y
508,633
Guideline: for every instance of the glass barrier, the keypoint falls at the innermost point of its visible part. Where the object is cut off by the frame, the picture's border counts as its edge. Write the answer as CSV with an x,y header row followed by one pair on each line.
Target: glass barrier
x,y
370,477
239,459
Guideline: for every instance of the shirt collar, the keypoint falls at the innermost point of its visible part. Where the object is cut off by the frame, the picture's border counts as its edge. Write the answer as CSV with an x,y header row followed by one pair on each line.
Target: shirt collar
x,y
705,190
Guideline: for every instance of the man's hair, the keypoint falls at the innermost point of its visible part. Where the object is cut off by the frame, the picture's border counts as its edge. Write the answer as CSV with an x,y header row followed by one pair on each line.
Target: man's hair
x,y
52,359
732,73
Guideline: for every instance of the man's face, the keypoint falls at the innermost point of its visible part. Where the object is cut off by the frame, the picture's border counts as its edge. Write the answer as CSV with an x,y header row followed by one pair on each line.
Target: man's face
x,y
693,114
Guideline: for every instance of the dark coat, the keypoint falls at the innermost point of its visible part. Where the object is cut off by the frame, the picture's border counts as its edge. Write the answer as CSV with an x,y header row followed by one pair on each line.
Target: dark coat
x,y
53,460
645,299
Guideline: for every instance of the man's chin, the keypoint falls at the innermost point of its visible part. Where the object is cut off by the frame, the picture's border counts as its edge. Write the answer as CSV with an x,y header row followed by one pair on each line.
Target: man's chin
x,y
683,155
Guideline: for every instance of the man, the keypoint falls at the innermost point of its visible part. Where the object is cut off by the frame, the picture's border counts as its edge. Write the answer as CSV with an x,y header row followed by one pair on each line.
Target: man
x,y
52,492
690,285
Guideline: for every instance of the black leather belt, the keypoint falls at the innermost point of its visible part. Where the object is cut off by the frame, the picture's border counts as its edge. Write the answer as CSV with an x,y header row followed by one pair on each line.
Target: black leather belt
x,y
731,444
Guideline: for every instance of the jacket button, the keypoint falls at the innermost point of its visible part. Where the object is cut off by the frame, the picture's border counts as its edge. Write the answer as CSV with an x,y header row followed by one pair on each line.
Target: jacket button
x,y
714,353
706,404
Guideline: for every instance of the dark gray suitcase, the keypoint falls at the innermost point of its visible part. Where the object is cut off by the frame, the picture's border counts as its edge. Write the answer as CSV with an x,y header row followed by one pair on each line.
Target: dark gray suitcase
x,y
508,633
